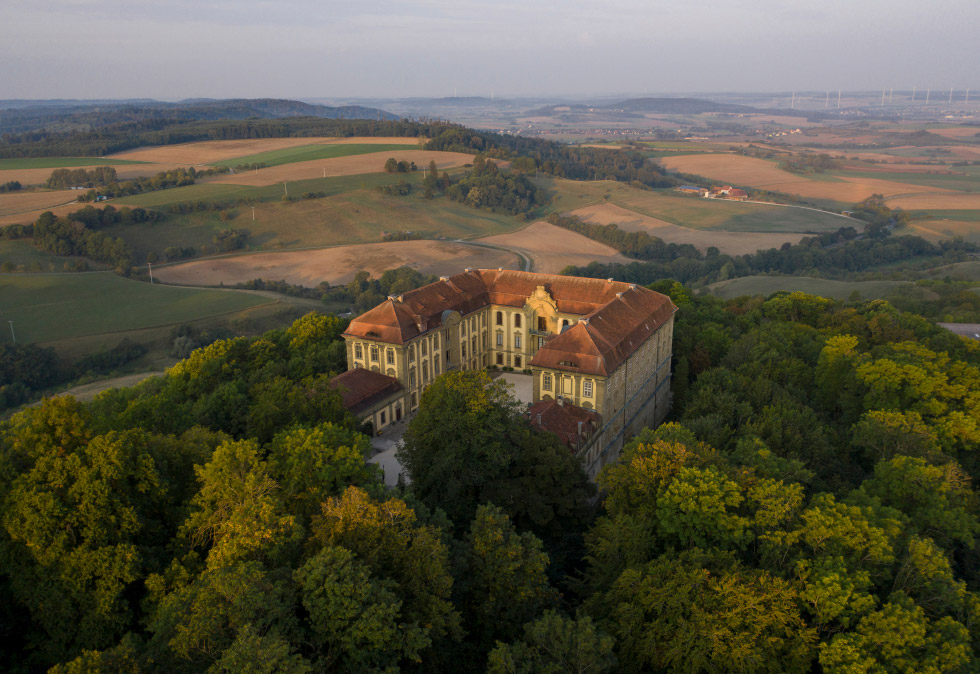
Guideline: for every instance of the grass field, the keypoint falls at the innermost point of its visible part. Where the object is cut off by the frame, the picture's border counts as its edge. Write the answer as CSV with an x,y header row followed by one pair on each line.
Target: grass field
x,y
22,254
354,212
766,285
310,152
60,162
47,307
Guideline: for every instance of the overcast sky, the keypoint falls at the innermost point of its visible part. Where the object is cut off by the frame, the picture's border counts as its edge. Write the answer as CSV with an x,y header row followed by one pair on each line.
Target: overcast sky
x,y
173,49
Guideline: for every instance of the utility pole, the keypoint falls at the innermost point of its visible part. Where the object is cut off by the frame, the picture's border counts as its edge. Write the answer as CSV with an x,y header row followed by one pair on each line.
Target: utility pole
x,y
285,189
12,335
150,266
253,213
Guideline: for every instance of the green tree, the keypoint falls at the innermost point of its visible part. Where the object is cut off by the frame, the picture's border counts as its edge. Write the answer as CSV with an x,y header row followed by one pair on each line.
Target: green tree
x,y
555,644
502,581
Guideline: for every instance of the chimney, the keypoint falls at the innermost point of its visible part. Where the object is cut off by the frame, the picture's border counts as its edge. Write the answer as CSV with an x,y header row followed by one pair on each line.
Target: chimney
x,y
632,286
468,270
539,418
609,280
443,278
584,321
580,429
561,401
619,294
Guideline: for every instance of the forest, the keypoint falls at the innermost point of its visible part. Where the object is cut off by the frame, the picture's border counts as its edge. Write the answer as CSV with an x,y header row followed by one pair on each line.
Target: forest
x,y
809,508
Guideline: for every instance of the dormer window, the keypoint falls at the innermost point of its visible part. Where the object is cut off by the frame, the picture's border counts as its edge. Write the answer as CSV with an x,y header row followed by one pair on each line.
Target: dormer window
x,y
568,363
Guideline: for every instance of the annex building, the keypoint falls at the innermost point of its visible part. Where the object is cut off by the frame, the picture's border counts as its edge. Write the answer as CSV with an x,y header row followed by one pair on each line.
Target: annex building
x,y
598,351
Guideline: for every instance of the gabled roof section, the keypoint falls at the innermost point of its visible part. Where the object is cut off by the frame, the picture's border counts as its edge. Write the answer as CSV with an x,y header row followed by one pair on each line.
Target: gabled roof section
x,y
360,389
603,339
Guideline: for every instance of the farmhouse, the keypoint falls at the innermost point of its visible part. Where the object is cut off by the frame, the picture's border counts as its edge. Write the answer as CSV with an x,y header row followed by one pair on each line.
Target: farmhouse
x,y
726,192
598,351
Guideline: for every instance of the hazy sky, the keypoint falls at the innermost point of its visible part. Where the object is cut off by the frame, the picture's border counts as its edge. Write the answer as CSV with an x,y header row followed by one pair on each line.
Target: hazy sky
x,y
299,48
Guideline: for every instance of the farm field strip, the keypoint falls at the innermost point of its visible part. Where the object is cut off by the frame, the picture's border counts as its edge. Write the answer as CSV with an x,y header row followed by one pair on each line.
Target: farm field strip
x,y
311,152
208,152
338,264
46,307
15,203
61,162
344,166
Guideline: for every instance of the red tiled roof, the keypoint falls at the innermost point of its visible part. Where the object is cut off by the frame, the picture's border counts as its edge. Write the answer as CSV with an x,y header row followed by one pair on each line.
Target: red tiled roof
x,y
563,420
360,388
608,336
620,315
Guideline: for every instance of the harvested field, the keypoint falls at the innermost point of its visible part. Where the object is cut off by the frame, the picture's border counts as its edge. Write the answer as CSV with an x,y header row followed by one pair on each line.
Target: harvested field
x,y
936,201
300,153
763,174
339,264
957,132
732,243
188,154
28,217
59,306
553,248
15,203
343,166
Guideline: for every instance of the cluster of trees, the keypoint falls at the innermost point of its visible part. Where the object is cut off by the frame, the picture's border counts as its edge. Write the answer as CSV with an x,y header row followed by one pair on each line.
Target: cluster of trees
x,y
433,182
63,178
171,253
399,189
364,292
392,165
68,236
178,177
230,239
24,370
27,370
401,236
485,186
10,186
810,163
811,511
639,245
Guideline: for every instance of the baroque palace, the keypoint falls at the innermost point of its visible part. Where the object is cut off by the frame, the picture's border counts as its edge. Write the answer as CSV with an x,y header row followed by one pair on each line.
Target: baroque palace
x,y
598,352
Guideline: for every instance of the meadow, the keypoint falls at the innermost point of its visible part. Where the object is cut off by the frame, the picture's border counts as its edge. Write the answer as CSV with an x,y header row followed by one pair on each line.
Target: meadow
x,y
60,162
352,211
46,307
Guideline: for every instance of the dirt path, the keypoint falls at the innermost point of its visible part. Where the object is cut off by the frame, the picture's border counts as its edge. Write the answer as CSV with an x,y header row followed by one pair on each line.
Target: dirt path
x,y
87,392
